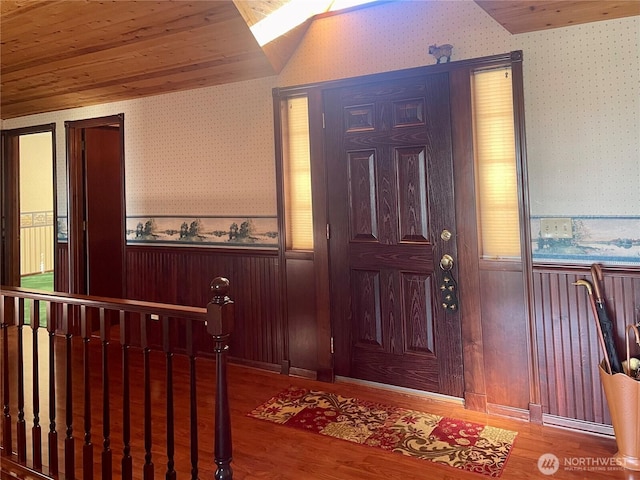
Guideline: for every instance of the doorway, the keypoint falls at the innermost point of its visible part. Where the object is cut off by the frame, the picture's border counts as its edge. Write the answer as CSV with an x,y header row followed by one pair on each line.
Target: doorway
x,y
392,215
29,208
95,149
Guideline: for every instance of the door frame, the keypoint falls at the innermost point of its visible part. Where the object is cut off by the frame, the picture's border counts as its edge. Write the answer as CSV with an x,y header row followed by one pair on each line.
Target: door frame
x,y
76,196
10,200
475,393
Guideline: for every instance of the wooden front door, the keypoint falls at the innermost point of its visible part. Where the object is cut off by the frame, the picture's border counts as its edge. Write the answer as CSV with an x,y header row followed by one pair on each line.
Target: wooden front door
x,y
389,161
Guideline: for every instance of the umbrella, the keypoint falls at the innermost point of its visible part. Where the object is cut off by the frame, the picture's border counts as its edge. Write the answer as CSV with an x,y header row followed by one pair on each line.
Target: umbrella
x,y
589,288
606,325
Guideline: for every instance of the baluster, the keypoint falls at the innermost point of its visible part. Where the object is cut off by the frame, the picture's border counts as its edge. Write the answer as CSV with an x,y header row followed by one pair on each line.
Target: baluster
x,y
69,443
148,464
219,325
36,430
87,448
105,335
6,411
127,465
167,347
192,400
53,434
21,426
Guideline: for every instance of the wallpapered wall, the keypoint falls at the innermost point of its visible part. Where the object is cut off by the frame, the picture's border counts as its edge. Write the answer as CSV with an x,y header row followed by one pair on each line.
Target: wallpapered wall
x,y
210,151
582,90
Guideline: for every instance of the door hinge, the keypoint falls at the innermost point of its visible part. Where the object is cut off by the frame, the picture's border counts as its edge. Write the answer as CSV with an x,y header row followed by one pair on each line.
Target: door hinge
x,y
84,226
323,120
332,350
328,231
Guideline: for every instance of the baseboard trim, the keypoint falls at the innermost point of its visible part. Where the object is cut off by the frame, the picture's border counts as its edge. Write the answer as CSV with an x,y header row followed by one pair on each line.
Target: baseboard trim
x,y
475,401
271,367
506,411
303,372
535,413
581,425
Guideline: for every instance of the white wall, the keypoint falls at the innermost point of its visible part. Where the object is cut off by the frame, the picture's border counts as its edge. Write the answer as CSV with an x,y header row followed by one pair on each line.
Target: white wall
x,y
211,150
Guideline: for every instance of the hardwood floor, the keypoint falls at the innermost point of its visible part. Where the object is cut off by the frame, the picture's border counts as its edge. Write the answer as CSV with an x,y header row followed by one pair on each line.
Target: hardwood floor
x,y
262,450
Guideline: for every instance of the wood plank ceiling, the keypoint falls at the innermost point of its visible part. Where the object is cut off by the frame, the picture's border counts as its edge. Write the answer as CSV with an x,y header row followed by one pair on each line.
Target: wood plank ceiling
x,y
59,54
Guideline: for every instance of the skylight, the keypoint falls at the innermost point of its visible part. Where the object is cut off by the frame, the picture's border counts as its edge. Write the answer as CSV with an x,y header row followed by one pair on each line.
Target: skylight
x,y
294,13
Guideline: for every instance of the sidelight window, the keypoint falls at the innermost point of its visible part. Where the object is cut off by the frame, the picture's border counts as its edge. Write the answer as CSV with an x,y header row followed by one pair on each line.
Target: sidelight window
x,y
297,173
495,160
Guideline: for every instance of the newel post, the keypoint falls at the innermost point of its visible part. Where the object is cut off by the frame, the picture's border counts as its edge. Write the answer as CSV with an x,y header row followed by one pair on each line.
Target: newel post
x,y
219,325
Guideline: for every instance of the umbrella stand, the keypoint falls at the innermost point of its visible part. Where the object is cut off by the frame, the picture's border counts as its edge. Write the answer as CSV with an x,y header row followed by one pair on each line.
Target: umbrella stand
x,y
606,325
628,370
623,398
589,288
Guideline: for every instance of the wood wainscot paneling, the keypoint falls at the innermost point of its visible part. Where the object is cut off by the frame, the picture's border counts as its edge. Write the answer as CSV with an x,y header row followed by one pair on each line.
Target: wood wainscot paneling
x,y
504,333
568,348
61,272
301,314
182,275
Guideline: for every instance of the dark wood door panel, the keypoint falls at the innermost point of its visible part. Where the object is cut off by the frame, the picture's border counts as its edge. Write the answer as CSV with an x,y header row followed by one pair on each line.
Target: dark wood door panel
x,y
402,256
104,212
363,216
389,154
365,295
412,371
418,315
412,195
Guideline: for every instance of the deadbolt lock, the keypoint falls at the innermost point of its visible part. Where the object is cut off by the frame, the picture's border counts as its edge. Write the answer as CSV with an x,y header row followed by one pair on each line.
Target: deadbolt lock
x,y
445,235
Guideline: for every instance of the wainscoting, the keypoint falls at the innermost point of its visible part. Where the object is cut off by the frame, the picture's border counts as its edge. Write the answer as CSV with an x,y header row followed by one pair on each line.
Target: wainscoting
x,y
182,276
566,346
567,342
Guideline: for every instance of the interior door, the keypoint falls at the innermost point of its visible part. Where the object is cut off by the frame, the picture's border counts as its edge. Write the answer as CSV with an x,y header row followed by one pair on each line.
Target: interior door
x,y
96,206
104,212
391,210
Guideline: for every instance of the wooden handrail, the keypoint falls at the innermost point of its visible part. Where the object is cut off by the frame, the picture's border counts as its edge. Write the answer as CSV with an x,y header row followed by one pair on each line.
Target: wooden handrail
x,y
132,306
70,341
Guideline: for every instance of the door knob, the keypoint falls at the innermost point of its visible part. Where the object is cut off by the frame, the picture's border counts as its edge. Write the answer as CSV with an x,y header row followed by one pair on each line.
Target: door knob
x,y
446,262
448,287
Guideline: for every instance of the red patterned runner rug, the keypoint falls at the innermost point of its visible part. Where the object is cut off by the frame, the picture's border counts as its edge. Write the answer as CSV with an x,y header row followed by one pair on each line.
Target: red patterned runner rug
x,y
447,441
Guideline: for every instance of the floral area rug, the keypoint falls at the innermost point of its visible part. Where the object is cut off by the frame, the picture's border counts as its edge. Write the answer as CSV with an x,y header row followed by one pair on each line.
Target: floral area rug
x,y
447,441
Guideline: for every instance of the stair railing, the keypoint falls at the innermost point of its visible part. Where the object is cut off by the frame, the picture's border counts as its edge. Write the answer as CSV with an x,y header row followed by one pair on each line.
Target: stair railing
x,y
79,329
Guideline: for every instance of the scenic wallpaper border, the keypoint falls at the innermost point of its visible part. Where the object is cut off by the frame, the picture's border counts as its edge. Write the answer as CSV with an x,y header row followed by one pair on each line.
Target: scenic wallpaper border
x,y
236,231
586,239
229,231
577,239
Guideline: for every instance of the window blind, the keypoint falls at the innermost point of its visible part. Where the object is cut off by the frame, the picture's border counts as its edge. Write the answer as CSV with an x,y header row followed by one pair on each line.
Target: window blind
x,y
495,157
297,174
